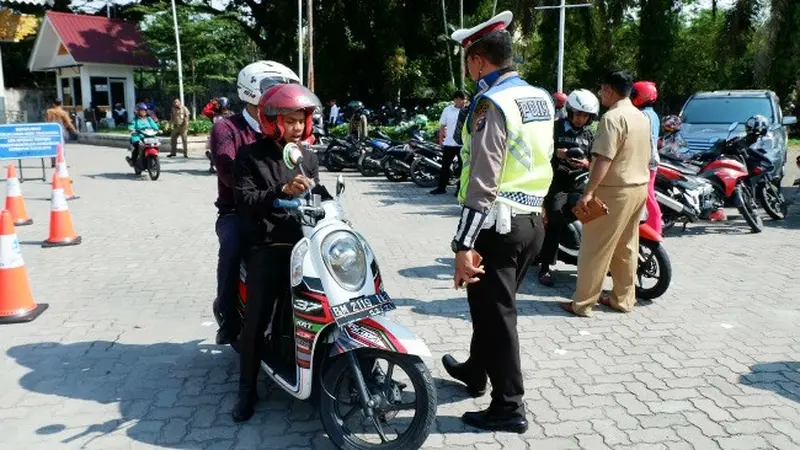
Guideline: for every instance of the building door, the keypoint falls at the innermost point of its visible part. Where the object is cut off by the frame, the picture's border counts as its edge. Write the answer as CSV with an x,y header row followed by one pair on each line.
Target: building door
x,y
117,91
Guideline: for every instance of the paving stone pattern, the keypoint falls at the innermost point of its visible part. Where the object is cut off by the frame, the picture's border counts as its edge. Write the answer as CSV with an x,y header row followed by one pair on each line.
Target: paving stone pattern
x,y
124,358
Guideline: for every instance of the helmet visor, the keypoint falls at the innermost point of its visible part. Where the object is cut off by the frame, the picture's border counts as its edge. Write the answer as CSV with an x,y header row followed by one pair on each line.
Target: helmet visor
x,y
286,98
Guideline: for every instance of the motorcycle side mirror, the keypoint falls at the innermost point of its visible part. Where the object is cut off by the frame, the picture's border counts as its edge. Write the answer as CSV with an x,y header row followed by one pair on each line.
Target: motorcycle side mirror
x,y
339,185
733,126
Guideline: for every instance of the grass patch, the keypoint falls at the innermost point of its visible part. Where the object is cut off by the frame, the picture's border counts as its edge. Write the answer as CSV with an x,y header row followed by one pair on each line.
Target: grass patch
x,y
794,142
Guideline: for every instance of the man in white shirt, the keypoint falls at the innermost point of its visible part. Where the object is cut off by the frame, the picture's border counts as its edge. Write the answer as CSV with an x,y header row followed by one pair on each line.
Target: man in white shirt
x,y
334,114
447,131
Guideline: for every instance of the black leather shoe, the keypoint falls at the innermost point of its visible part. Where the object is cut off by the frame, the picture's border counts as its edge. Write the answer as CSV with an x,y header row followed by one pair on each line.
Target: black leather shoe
x,y
496,421
224,336
245,404
438,191
475,388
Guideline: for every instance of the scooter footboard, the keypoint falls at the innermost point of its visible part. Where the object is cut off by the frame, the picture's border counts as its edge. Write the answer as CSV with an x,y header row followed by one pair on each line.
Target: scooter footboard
x,y
380,333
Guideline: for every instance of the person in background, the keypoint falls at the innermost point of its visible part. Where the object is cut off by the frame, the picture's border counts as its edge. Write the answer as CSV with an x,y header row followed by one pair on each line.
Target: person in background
x,y
643,96
120,114
560,100
57,114
142,121
216,110
447,131
261,177
333,115
618,176
180,127
505,178
90,116
573,132
358,122
227,137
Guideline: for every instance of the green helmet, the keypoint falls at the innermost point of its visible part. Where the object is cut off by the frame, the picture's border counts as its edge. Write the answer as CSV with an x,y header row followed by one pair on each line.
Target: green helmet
x,y
356,105
420,120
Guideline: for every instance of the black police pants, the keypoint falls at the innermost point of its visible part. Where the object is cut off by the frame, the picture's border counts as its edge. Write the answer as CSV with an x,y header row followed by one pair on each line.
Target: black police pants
x,y
449,153
267,280
492,302
559,215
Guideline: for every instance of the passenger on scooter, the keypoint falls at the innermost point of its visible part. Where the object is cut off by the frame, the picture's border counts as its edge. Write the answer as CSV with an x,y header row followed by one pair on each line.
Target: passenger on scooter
x,y
227,137
644,96
572,132
261,176
142,121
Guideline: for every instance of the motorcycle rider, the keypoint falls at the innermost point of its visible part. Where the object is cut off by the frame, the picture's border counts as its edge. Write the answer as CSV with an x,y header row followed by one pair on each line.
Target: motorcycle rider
x,y
285,116
227,137
142,121
572,132
644,96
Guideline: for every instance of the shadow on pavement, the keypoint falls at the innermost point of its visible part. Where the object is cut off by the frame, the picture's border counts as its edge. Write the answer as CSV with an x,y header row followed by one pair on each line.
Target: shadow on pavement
x,y
177,395
782,378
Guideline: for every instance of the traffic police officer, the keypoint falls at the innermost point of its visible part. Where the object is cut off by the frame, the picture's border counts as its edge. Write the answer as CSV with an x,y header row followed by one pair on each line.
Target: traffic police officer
x,y
508,143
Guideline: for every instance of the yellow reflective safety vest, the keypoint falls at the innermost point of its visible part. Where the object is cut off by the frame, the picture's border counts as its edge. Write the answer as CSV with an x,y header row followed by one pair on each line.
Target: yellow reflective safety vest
x,y
526,173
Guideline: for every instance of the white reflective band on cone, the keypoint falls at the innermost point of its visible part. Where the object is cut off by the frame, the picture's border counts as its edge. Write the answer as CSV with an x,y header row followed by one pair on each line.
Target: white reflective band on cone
x,y
10,254
13,188
62,170
59,201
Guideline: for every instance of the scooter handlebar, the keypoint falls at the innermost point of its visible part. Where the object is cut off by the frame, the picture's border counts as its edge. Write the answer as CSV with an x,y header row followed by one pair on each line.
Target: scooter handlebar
x,y
287,204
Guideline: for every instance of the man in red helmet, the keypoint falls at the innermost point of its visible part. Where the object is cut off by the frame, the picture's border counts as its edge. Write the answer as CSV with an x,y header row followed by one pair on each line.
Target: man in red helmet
x,y
261,176
644,96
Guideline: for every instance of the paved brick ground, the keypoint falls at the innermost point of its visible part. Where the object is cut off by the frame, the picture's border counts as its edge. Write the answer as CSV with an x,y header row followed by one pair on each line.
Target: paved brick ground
x,y
124,358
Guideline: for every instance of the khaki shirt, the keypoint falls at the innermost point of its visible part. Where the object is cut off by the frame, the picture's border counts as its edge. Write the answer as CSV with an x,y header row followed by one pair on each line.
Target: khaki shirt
x,y
623,136
57,114
180,116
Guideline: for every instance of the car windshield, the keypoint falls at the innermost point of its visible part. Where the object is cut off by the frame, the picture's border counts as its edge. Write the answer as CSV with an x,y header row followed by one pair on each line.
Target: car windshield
x,y
726,109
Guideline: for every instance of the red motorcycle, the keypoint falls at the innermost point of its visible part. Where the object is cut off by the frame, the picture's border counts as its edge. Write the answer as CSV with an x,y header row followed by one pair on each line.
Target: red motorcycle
x,y
699,187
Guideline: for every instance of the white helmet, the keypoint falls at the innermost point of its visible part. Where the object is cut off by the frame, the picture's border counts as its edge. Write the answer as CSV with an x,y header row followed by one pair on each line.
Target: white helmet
x,y
255,78
582,100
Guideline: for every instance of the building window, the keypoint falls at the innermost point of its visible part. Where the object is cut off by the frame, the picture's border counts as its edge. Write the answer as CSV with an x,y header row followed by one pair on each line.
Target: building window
x,y
100,91
78,92
66,92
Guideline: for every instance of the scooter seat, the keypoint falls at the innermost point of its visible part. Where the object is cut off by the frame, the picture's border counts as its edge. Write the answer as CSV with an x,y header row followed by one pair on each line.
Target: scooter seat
x,y
681,168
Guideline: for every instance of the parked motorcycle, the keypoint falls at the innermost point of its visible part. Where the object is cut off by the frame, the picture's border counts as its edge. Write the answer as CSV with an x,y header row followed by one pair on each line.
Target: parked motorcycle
x,y
654,264
399,157
697,188
148,155
342,153
427,164
330,341
370,163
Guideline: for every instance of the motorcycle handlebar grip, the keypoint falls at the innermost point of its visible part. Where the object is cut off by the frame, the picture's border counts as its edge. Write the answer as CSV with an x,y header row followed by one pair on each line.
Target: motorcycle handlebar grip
x,y
286,204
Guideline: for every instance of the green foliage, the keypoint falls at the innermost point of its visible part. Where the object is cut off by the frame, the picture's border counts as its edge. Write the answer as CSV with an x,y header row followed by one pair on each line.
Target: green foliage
x,y
400,132
199,127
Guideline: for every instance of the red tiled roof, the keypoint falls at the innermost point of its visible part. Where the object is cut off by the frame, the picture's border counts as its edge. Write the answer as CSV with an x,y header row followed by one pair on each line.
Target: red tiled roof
x,y
96,39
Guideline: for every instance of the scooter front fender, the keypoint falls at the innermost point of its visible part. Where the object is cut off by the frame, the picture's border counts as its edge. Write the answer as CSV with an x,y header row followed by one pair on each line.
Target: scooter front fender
x,y
380,333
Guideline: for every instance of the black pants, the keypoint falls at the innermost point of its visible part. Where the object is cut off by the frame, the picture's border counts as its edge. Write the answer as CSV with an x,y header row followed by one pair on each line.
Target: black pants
x,y
229,258
267,280
492,303
448,155
559,215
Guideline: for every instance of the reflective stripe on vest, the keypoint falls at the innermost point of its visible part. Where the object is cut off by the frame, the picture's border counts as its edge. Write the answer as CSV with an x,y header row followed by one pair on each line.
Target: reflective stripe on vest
x,y
526,172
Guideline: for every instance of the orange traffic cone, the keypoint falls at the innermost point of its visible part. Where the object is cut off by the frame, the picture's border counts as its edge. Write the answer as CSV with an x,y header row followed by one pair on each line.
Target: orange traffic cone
x,y
61,231
16,301
14,202
63,175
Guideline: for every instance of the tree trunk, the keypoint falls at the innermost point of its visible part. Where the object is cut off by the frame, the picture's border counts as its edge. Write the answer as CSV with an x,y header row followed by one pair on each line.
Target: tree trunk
x,y
310,19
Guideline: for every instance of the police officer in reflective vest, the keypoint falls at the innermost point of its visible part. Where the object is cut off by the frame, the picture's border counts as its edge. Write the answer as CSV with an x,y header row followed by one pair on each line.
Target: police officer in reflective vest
x,y
508,143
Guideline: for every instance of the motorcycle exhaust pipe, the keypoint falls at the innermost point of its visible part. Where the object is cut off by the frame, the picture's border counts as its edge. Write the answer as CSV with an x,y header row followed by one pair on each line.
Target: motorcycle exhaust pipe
x,y
400,165
673,204
432,163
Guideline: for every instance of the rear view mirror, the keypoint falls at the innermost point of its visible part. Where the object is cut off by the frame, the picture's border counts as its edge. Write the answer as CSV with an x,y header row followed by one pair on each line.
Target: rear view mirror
x,y
733,126
789,120
339,185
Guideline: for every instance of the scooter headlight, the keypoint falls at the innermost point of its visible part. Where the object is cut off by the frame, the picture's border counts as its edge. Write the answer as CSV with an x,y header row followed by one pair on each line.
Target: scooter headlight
x,y
298,256
345,259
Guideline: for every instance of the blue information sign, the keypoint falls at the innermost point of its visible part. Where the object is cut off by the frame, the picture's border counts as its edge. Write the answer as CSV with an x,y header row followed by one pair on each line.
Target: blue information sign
x,y
30,140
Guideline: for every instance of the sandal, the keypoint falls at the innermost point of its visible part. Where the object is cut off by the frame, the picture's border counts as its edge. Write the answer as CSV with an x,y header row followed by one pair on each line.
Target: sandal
x,y
546,278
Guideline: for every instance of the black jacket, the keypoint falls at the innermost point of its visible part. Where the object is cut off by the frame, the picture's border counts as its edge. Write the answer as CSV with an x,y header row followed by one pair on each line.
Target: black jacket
x,y
259,175
568,138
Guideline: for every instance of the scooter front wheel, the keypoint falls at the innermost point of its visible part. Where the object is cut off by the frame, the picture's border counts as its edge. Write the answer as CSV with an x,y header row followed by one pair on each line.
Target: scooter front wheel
x,y
343,415
153,167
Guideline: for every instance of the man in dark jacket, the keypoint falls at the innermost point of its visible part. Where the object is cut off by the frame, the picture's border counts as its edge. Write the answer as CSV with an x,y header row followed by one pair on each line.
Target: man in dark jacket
x,y
261,177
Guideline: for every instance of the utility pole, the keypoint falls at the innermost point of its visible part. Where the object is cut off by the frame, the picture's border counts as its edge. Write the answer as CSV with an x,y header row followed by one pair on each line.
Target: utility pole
x,y
447,45
178,50
461,25
562,9
310,19
299,39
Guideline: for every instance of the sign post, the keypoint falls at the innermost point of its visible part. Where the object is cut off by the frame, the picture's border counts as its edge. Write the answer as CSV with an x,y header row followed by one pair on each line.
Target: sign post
x,y
30,141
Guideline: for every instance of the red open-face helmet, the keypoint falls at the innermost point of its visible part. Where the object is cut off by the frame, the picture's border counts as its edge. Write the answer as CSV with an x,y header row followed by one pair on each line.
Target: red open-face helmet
x,y
284,99
560,99
644,93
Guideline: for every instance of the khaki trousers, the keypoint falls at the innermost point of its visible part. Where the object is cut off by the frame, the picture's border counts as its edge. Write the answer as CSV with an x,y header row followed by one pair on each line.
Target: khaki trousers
x,y
611,244
183,133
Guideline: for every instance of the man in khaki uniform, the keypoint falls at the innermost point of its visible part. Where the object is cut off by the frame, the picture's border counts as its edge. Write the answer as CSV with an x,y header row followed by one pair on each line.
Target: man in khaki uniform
x,y
618,176
180,127
57,114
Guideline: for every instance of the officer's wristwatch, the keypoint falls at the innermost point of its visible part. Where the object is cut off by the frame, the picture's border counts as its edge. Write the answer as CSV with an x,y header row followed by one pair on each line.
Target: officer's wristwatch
x,y
456,246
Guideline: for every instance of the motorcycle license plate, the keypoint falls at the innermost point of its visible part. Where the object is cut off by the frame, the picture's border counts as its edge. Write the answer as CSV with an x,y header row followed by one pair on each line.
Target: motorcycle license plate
x,y
361,307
